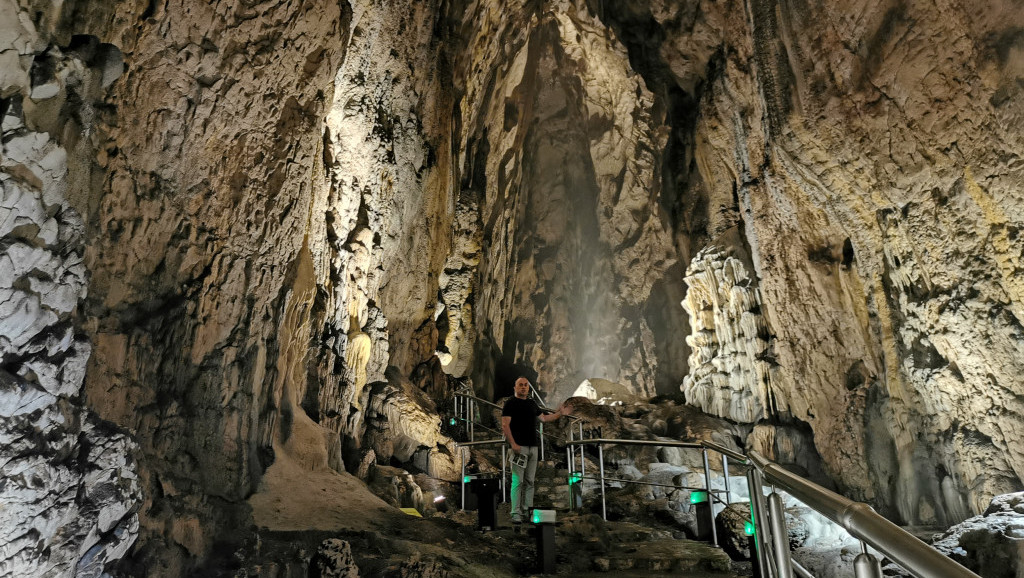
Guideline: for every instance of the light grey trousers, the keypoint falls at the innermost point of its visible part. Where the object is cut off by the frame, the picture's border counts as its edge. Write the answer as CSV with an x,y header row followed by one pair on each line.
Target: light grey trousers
x,y
522,483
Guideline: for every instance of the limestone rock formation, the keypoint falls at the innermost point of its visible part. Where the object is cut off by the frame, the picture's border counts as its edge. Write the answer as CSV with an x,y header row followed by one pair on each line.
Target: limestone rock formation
x,y
991,544
730,371
244,234
334,560
558,141
68,481
870,157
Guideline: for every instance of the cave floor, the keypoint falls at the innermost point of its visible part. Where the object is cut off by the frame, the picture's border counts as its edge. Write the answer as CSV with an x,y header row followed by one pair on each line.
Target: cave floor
x,y
449,544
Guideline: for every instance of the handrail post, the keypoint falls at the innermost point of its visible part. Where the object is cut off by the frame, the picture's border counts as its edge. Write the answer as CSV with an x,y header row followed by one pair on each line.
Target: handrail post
x,y
472,419
542,441
754,484
504,485
462,457
570,450
600,459
569,459
711,497
583,455
780,536
865,565
725,470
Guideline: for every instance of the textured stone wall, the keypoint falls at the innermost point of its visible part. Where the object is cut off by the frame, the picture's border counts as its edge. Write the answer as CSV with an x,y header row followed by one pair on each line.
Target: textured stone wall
x,y
276,225
873,152
69,489
561,143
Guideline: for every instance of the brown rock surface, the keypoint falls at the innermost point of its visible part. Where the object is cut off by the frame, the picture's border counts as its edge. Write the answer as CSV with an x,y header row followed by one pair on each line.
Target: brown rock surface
x,y
269,221
874,157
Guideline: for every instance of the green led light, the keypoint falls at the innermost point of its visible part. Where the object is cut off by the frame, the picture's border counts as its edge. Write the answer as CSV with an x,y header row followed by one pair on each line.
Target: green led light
x,y
536,517
466,479
575,478
748,528
451,421
698,497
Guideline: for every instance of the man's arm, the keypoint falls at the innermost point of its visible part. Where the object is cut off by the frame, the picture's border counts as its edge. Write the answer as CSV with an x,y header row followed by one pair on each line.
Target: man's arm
x,y
506,422
546,417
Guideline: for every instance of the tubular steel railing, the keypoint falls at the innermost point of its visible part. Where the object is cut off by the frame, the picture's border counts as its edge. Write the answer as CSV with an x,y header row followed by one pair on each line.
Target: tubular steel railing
x,y
601,442
857,518
771,539
467,408
462,457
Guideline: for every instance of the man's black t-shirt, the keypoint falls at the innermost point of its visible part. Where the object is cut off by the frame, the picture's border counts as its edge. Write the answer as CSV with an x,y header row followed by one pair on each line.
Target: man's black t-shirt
x,y
524,414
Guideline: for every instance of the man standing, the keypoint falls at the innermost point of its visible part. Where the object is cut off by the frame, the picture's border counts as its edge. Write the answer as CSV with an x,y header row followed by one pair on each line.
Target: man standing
x,y
519,423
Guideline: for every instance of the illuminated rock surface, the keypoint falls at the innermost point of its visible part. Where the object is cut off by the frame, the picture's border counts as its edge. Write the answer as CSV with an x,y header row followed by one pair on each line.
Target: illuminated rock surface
x,y
243,236
991,544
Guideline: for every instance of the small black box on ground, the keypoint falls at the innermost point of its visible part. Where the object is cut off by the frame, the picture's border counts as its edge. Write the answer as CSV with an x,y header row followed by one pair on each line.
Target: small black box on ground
x,y
486,492
704,521
545,534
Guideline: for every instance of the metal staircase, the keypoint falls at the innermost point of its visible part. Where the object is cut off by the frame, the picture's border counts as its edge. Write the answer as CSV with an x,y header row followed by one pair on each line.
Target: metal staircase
x,y
766,481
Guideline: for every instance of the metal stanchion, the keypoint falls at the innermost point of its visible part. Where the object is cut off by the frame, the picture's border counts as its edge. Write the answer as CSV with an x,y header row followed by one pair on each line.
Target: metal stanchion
x,y
583,460
504,485
780,536
541,441
600,459
472,418
865,565
711,496
754,483
569,459
725,470
462,457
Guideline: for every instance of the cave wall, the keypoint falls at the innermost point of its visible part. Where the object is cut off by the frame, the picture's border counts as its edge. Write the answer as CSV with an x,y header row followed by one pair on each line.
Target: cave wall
x,y
69,484
249,198
874,155
237,233
561,144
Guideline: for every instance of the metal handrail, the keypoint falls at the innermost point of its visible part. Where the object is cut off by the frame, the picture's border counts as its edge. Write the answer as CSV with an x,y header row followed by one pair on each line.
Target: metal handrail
x,y
600,443
736,456
771,536
478,399
665,443
462,457
862,522
468,406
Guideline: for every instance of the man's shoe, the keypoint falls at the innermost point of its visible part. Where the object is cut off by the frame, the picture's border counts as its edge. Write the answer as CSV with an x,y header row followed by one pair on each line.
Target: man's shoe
x,y
517,519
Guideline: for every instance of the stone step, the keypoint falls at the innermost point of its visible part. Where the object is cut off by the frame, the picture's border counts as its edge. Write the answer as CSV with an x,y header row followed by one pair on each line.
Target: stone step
x,y
664,556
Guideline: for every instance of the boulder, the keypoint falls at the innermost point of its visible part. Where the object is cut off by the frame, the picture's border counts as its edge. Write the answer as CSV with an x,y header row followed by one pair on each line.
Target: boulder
x,y
334,560
991,544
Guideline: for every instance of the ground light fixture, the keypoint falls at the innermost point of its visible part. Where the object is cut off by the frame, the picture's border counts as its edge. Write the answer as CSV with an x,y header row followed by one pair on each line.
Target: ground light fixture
x,y
543,517
545,533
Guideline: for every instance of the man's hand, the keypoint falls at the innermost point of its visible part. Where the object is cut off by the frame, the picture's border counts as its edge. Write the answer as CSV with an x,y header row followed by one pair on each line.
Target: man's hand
x,y
516,447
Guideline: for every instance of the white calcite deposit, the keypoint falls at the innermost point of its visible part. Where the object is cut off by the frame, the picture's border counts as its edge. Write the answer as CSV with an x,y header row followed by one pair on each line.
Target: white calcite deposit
x,y
68,484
